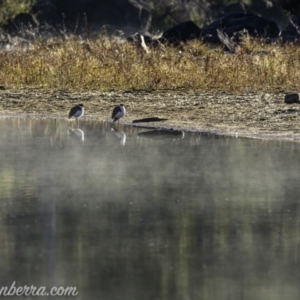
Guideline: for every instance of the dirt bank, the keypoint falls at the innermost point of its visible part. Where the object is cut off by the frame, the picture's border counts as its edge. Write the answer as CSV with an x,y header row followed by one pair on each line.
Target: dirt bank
x,y
250,114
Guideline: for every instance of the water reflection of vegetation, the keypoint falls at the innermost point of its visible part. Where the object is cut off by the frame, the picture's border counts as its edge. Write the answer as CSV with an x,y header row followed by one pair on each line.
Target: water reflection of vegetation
x,y
203,217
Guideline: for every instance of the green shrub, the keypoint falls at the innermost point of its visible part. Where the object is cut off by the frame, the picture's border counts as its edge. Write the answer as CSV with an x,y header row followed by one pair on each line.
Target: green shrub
x,y
11,8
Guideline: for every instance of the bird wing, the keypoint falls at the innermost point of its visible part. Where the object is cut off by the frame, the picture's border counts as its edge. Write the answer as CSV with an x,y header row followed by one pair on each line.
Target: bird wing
x,y
116,110
73,111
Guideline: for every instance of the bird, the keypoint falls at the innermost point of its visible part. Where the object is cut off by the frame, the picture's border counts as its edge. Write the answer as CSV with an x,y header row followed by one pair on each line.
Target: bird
x,y
76,111
118,112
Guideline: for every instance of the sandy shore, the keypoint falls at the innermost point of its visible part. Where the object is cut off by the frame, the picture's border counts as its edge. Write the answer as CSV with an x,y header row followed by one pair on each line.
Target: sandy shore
x,y
256,115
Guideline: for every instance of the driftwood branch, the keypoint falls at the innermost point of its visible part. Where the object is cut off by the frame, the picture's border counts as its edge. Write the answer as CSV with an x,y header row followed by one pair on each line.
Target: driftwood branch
x,y
224,38
295,25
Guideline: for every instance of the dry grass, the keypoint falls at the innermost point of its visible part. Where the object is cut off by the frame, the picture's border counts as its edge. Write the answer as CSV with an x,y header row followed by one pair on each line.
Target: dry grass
x,y
109,64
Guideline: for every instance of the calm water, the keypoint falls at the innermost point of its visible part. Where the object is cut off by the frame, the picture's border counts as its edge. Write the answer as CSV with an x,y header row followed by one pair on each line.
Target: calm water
x,y
121,216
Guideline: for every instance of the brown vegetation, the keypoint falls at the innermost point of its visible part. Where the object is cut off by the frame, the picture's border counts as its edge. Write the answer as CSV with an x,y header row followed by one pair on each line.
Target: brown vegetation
x,y
194,86
109,64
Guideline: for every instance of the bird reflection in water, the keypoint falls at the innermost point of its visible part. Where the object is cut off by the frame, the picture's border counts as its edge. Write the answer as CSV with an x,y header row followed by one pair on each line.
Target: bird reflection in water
x,y
120,135
77,133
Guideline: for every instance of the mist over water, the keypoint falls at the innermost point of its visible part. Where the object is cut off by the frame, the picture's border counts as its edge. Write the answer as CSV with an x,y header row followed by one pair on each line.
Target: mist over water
x,y
121,216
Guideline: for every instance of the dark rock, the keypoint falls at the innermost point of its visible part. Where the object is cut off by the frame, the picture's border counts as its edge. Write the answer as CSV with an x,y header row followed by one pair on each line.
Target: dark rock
x,y
2,88
182,32
233,23
228,26
291,98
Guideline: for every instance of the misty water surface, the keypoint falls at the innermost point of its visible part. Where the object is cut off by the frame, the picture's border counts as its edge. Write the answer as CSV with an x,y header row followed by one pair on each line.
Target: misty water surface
x,y
127,217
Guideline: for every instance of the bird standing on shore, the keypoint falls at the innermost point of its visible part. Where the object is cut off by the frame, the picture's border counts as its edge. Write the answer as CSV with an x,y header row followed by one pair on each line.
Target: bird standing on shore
x,y
118,112
76,111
